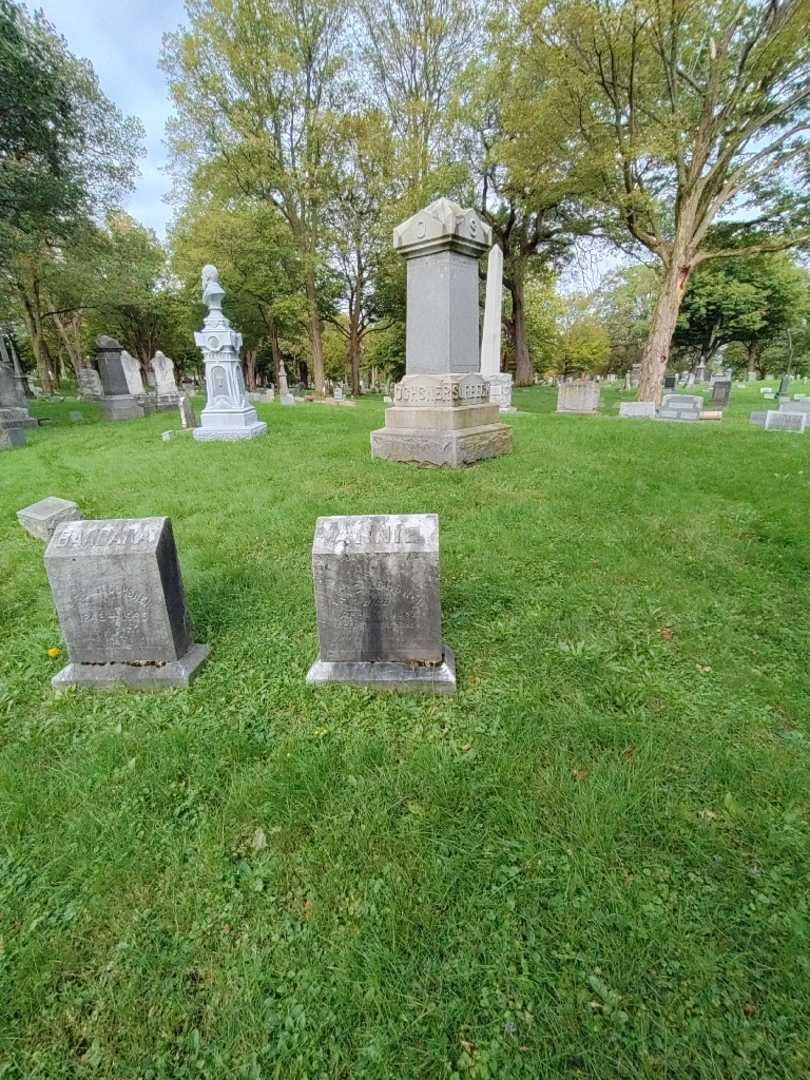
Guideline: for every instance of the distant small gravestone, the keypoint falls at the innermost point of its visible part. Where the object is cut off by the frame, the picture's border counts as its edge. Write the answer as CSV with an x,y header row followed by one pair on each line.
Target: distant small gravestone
x,y
784,386
378,604
187,418
41,519
121,605
337,393
681,407
759,418
76,417
578,396
165,384
90,388
803,405
786,421
12,438
288,399
721,392
640,410
669,382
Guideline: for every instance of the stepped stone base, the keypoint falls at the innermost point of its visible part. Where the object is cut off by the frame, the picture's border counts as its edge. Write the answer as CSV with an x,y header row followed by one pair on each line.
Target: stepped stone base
x,y
121,407
169,676
251,431
17,417
388,675
441,420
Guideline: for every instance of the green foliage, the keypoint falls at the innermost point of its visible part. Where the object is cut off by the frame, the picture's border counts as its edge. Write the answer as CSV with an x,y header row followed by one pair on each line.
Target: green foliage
x,y
592,862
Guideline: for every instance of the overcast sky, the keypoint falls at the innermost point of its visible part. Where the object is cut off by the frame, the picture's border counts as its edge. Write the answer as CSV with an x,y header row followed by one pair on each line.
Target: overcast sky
x,y
122,41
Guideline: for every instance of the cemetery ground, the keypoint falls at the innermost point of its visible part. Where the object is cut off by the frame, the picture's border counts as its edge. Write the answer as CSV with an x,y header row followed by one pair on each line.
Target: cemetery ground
x,y
591,862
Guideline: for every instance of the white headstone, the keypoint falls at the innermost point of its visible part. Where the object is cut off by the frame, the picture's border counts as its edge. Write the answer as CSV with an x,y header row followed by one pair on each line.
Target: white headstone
x,y
132,373
500,382
165,383
643,410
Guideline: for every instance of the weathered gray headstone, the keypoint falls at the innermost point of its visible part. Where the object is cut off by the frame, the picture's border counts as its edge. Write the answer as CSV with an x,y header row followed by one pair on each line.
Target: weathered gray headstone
x,y
721,392
132,373
786,421
187,418
700,373
168,395
118,402
758,418
442,414
681,407
377,597
578,396
802,405
90,388
121,605
41,519
228,415
13,403
633,377
784,387
12,438
640,410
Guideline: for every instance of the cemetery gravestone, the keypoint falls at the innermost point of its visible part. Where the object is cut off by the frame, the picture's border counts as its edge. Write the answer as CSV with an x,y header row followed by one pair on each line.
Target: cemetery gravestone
x,y
12,438
802,405
759,418
442,414
500,382
669,382
578,396
228,414
132,373
633,377
641,410
118,403
188,421
121,605
168,395
721,392
377,598
90,388
786,421
14,415
784,387
337,393
42,518
681,407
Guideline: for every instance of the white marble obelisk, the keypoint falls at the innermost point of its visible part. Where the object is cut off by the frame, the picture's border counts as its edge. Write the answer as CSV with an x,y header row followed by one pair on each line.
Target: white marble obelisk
x,y
228,414
500,382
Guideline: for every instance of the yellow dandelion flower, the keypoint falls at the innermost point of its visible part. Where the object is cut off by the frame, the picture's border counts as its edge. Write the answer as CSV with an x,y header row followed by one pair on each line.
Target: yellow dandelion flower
x,y
54,652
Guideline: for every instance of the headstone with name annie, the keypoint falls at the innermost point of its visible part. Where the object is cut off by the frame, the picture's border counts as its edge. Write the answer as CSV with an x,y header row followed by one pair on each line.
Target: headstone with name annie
x,y
121,605
377,597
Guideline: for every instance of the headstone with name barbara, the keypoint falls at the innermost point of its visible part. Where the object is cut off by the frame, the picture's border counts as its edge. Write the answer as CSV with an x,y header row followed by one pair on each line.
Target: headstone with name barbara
x,y
121,604
442,413
378,603
118,402
228,415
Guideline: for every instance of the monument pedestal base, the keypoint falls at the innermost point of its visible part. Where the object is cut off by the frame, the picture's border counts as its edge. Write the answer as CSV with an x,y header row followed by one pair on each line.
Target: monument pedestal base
x,y
211,434
388,675
121,407
171,675
16,417
453,448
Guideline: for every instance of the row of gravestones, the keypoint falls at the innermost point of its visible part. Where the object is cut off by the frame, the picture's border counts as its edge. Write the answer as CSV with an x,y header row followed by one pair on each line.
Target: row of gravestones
x,y
582,396
117,383
119,596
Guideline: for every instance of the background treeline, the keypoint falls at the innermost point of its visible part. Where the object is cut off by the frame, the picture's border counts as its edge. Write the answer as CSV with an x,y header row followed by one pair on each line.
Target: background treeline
x,y
304,130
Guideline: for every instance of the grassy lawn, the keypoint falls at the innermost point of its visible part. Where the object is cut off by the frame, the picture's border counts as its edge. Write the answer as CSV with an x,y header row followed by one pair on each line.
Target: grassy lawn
x,y
593,862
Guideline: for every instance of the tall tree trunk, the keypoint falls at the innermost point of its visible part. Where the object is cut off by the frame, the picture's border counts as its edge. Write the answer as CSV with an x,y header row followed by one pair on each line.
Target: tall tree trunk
x,y
354,346
71,347
655,356
524,368
250,369
315,332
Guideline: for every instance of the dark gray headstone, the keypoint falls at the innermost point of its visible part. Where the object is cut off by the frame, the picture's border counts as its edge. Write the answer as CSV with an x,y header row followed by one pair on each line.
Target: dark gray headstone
x,y
119,596
118,403
721,392
669,382
378,603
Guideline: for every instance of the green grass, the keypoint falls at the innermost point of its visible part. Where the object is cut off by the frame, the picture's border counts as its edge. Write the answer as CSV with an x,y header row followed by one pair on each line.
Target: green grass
x,y
593,862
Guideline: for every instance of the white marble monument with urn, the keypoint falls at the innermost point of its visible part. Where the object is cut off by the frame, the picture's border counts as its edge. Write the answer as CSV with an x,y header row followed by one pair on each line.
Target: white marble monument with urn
x,y
228,415
442,414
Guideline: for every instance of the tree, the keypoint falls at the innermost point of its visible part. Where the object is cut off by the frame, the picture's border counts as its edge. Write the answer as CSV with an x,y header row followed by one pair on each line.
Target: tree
x,y
624,303
255,86
689,112
67,154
